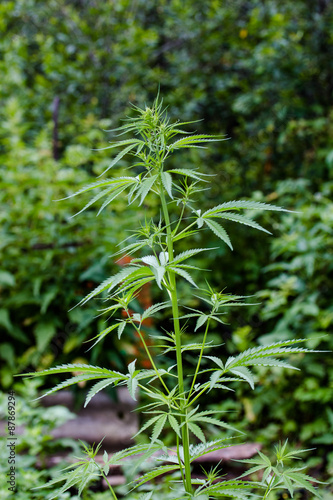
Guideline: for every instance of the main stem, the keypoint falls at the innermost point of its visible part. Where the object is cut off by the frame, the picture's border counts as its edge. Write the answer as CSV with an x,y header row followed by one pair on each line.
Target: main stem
x,y
175,312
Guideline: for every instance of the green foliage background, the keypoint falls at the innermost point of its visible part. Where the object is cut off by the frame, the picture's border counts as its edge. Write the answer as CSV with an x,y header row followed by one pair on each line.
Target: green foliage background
x,y
260,72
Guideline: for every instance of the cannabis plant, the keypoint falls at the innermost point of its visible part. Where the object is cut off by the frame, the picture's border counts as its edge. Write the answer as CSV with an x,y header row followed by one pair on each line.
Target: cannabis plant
x,y
173,394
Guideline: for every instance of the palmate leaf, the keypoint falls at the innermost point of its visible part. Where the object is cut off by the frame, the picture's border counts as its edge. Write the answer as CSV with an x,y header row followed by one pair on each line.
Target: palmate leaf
x,y
243,204
139,449
230,489
109,199
206,416
186,172
182,235
241,219
146,496
194,140
132,385
119,144
160,398
154,473
72,381
159,273
109,283
128,278
87,372
164,258
201,449
268,361
256,354
158,427
195,268
102,384
144,187
92,472
84,472
152,310
174,424
201,321
70,368
97,197
302,480
288,485
262,356
145,426
216,360
214,379
106,183
132,379
189,253
292,454
100,336
134,284
261,460
131,248
226,299
219,231
244,373
71,479
121,155
197,431
150,260
258,463
167,183
184,274
252,470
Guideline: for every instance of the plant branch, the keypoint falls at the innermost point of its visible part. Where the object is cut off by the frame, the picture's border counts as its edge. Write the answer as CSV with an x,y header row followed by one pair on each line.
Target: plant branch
x,y
148,352
109,485
175,312
199,360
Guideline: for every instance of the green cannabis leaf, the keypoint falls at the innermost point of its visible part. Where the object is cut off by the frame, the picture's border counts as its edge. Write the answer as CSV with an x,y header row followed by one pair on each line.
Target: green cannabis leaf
x,y
173,395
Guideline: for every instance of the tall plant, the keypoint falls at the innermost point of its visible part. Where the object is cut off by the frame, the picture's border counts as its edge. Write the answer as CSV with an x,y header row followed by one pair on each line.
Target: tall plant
x,y
174,398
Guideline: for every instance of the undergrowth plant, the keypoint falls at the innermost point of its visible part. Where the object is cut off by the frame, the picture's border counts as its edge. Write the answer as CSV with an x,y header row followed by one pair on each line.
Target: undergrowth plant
x,y
174,392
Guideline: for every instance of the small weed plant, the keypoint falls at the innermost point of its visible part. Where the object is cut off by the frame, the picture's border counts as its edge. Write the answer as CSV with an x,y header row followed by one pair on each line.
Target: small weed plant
x,y
174,392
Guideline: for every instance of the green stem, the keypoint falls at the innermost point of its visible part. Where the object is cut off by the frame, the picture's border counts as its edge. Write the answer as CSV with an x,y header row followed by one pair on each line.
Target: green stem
x,y
180,461
148,391
197,396
175,312
199,360
179,221
186,228
110,487
268,489
148,353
